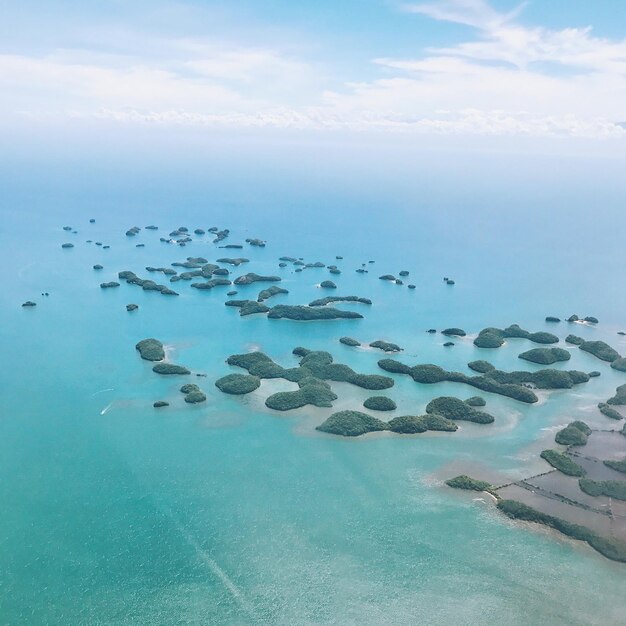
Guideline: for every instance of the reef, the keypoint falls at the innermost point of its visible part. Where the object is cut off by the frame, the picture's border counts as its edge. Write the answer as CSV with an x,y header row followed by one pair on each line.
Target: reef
x,y
611,548
256,242
109,285
306,313
411,286
169,369
389,277
29,303
574,434
545,356
238,384
132,307
97,266
454,409
380,403
348,341
160,404
311,391
351,424
465,482
264,294
385,346
553,320
151,349
251,277
67,245
563,463
454,332
331,299
131,232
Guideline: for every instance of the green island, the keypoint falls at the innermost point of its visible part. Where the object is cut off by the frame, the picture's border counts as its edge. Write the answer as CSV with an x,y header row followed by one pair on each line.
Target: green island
x,y
610,488
251,277
475,401
619,364
574,434
193,394
454,332
109,285
618,466
132,307
328,284
511,384
210,284
311,391
546,356
600,350
609,411
150,349
380,403
356,423
351,424
170,369
159,404
385,346
455,409
308,313
619,399
316,365
494,337
611,548
466,482
331,299
348,341
236,261
563,463
238,384
265,294
147,285
248,307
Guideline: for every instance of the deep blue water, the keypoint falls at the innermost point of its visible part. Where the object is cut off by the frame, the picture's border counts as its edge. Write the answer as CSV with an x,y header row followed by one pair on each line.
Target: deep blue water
x,y
226,513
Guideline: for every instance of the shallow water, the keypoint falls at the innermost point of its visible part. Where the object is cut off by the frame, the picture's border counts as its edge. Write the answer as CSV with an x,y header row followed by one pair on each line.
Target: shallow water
x,y
228,513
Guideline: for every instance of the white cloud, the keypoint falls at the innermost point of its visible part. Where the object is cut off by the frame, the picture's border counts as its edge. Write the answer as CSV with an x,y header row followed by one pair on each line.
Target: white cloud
x,y
501,82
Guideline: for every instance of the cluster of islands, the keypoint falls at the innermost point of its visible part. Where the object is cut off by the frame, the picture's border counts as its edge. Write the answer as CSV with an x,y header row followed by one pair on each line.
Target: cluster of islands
x,y
582,494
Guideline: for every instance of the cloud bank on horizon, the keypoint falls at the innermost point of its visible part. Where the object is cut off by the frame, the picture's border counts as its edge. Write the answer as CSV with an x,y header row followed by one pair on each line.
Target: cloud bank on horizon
x,y
492,74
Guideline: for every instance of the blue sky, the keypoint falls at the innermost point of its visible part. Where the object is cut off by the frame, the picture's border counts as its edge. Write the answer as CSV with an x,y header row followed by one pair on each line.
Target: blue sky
x,y
461,67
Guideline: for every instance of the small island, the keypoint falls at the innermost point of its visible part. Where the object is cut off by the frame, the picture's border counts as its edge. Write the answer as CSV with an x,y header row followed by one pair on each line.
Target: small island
x,y
380,403
238,384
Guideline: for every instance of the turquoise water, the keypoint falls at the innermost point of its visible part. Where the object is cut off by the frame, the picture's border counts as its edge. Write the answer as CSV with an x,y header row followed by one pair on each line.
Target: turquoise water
x,y
224,513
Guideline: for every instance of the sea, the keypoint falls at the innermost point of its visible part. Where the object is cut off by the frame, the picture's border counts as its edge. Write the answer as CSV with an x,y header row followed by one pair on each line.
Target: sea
x,y
225,512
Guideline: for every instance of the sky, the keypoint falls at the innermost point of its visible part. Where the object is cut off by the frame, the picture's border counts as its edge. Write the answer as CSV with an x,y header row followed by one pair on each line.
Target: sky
x,y
541,68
